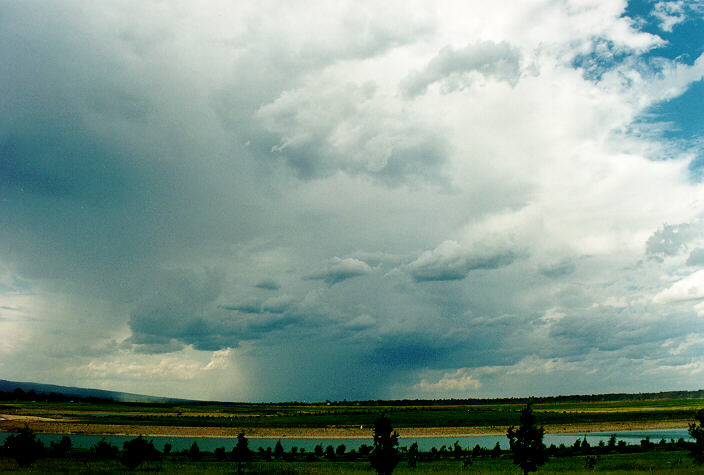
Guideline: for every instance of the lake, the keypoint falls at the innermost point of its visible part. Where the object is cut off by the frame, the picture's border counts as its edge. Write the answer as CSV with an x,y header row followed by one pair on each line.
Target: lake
x,y
424,443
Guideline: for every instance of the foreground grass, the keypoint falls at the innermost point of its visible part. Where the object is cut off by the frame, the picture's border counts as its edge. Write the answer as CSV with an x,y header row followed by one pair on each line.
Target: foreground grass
x,y
655,461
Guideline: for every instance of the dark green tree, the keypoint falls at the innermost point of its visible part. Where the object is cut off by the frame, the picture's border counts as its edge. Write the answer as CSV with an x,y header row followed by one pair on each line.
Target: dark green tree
x,y
219,454
697,433
278,450
194,452
24,446
364,449
330,452
612,442
61,448
526,442
104,449
136,451
457,449
385,456
496,451
241,452
413,454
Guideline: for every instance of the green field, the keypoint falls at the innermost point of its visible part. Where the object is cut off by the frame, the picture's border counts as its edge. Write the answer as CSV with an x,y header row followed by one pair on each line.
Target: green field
x,y
660,457
655,461
315,416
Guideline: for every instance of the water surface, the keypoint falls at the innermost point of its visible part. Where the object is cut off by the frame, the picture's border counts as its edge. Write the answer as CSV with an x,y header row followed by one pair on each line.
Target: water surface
x,y
424,443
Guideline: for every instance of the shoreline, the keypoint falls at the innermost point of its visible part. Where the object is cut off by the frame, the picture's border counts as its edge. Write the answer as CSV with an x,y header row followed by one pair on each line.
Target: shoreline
x,y
52,426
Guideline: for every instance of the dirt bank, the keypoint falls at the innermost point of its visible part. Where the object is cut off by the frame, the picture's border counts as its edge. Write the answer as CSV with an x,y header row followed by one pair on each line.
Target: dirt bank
x,y
52,426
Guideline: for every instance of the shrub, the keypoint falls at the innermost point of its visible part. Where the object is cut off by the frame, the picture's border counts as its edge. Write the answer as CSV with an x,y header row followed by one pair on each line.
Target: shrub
x,y
194,452
136,451
24,447
61,448
697,433
413,454
220,453
104,449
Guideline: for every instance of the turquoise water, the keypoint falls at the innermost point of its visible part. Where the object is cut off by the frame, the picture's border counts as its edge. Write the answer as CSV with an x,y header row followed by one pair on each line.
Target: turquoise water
x,y
424,443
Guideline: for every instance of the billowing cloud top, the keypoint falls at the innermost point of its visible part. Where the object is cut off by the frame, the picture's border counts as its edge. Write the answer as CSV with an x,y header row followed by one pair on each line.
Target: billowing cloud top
x,y
250,201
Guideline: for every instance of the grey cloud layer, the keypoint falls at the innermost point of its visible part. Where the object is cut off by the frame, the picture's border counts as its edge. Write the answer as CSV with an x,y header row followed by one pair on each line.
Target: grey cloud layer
x,y
453,68
336,205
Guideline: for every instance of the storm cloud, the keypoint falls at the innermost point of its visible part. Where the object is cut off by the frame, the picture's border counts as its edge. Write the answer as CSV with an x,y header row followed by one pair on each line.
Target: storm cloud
x,y
350,200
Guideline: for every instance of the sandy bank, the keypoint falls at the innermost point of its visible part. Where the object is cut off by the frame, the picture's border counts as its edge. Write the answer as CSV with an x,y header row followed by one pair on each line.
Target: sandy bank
x,y
45,425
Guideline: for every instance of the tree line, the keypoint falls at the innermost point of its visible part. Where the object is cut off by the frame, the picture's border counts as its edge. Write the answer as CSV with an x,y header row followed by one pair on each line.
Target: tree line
x,y
39,396
20,395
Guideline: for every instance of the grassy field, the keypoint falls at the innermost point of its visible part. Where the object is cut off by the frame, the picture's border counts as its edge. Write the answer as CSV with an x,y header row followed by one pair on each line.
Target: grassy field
x,y
318,416
649,462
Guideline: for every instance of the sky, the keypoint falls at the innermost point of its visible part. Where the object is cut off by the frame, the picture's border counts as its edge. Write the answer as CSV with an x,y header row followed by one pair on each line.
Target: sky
x,y
278,201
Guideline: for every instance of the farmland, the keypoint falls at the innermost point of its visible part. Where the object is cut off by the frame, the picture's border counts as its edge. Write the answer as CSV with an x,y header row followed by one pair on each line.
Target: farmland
x,y
350,420
338,420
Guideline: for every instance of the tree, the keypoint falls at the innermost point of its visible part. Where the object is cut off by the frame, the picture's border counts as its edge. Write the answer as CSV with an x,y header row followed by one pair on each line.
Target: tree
x,y
385,456
194,452
697,433
278,450
220,453
240,451
330,452
496,451
136,451
413,454
526,442
24,446
104,449
61,448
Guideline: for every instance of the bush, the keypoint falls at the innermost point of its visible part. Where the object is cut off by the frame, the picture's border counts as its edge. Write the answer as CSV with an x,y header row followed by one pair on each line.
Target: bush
x,y
24,447
61,448
220,453
413,455
330,452
697,433
194,452
136,451
104,449
590,462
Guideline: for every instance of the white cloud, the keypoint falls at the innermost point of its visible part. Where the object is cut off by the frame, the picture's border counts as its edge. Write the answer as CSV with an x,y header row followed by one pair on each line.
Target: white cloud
x,y
459,383
338,270
669,13
690,287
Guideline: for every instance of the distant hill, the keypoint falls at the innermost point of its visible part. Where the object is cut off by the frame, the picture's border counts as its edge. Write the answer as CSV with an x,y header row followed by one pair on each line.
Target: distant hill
x,y
70,391
85,393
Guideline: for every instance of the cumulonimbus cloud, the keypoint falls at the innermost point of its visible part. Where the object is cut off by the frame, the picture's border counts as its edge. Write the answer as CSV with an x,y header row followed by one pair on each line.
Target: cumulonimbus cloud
x,y
452,68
